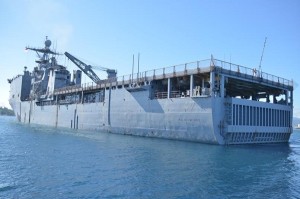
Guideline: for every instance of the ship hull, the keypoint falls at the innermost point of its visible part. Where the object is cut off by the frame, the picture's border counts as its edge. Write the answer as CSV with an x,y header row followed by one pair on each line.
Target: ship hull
x,y
181,119
198,119
221,103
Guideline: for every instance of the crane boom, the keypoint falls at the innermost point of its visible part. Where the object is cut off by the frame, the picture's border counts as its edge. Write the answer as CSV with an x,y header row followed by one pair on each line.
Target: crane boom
x,y
87,69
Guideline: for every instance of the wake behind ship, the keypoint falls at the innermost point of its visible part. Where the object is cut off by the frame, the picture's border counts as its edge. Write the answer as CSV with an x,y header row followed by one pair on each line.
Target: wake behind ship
x,y
210,101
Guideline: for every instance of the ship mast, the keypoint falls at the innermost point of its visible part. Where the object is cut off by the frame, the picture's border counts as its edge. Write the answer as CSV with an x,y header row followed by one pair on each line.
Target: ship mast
x,y
46,51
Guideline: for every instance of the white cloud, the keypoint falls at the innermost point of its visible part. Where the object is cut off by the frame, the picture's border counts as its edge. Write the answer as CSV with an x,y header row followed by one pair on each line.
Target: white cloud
x,y
62,34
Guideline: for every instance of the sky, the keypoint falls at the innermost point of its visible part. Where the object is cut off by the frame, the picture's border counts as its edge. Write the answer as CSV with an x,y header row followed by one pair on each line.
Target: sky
x,y
164,32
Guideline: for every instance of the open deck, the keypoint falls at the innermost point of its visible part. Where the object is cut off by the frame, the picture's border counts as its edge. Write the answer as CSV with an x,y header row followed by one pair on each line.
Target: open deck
x,y
241,79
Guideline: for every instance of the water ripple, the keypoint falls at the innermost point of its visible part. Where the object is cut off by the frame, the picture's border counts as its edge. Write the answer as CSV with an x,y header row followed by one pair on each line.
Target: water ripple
x,y
43,162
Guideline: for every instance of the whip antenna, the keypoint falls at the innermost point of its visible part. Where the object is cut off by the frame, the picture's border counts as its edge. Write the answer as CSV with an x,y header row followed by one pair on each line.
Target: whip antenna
x,y
262,54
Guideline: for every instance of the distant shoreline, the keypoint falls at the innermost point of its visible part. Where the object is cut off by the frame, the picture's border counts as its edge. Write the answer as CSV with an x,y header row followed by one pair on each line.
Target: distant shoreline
x,y
6,112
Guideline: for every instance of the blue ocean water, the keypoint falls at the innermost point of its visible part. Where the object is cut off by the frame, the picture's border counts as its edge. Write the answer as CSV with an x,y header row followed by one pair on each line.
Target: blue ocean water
x,y
43,162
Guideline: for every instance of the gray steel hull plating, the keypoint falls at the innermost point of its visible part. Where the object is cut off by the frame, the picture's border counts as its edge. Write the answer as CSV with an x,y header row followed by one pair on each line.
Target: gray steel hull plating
x,y
209,119
131,113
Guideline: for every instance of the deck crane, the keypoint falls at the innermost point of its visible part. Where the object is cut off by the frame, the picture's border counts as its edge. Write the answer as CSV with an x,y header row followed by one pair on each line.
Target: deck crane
x,y
87,69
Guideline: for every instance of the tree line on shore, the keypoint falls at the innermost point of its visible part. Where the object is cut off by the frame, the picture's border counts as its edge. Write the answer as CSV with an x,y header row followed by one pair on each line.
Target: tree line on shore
x,y
6,111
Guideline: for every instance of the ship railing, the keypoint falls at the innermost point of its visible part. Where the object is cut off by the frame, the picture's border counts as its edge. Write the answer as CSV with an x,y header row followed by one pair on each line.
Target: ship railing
x,y
68,89
252,73
179,70
85,86
164,94
171,71
160,95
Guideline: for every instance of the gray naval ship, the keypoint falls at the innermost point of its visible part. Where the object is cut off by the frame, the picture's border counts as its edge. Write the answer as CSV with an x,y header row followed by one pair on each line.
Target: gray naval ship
x,y
209,101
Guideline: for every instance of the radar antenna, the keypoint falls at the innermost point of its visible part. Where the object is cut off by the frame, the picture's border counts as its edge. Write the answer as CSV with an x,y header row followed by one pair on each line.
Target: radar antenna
x,y
45,51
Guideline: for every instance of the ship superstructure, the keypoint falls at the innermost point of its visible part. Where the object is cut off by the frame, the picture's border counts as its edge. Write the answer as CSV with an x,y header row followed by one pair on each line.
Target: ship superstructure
x,y
209,101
